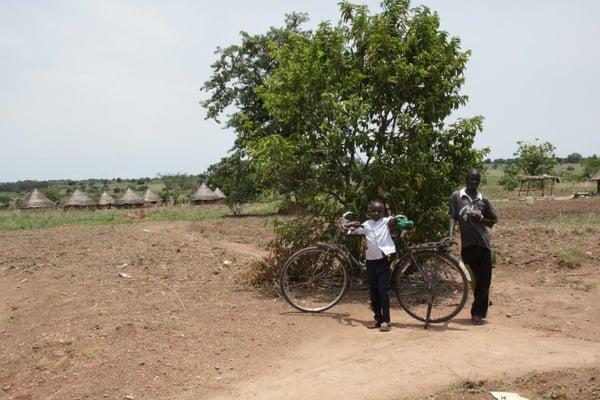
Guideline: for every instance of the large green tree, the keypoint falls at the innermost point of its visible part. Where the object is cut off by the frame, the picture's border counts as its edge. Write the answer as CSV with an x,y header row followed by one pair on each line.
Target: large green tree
x,y
348,113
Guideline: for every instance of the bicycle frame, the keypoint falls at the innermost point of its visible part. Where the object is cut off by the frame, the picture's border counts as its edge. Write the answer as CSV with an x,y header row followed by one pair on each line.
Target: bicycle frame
x,y
410,250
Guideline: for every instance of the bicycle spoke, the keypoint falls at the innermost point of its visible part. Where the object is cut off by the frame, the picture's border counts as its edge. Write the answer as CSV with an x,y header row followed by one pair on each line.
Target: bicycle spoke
x,y
313,279
436,279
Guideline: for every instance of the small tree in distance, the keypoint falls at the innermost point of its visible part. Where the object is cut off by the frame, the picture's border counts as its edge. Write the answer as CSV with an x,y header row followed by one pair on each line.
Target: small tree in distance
x,y
532,160
591,165
536,159
176,185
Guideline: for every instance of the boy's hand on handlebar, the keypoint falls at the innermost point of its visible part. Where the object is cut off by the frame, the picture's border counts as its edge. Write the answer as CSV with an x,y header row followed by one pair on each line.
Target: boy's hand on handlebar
x,y
447,241
352,227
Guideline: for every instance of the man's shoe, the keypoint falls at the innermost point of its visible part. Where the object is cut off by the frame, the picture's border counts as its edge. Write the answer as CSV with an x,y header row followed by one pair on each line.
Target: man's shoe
x,y
385,327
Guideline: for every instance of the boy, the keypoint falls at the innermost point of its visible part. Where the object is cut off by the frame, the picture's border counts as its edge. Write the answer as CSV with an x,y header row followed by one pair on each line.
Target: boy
x,y
380,246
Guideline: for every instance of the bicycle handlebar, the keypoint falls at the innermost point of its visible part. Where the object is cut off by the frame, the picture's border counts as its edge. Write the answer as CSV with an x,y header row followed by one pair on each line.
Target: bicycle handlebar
x,y
403,223
346,221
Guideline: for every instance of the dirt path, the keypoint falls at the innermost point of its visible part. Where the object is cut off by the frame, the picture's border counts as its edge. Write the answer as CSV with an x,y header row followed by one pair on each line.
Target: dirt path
x,y
156,310
344,360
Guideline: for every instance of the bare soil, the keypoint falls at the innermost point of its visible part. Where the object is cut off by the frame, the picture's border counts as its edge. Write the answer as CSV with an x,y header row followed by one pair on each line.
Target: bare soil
x,y
158,310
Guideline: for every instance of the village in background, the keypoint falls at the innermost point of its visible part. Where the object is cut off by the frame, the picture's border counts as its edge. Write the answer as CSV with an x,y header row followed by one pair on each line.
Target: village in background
x,y
106,194
569,180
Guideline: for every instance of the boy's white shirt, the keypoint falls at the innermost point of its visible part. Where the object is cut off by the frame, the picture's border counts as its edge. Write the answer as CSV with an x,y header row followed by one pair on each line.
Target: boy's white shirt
x,y
379,238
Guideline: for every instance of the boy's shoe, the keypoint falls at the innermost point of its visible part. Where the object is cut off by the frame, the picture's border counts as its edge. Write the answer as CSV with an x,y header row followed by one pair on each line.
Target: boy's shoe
x,y
374,325
385,327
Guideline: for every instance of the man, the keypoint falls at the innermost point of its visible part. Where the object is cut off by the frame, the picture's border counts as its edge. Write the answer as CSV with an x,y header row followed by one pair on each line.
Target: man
x,y
474,214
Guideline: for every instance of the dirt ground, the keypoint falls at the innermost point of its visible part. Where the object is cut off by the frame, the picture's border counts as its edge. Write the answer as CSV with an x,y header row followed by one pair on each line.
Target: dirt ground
x,y
155,310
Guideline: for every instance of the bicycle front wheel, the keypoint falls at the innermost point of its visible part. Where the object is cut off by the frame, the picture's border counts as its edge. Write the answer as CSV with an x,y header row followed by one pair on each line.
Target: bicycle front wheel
x,y
314,279
430,286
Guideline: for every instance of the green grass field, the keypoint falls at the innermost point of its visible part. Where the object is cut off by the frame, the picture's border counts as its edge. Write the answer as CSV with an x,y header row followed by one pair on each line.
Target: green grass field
x,y
565,188
11,220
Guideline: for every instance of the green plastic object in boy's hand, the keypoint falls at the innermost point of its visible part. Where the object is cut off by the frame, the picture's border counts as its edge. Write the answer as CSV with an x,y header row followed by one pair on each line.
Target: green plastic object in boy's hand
x,y
405,223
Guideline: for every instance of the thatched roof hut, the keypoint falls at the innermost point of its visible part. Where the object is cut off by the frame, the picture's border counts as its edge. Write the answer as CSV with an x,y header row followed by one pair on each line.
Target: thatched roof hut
x,y
35,200
77,199
130,199
151,198
106,200
219,193
203,195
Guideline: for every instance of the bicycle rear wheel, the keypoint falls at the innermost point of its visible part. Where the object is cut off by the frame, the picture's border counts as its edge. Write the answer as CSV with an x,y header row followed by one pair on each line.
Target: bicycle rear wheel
x,y
314,279
435,290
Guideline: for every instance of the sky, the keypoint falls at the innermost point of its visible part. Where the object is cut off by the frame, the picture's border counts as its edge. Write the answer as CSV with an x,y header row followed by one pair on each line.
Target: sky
x,y
111,88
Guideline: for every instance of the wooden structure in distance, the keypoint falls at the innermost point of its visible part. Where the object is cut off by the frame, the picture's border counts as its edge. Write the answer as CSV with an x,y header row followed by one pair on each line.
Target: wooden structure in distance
x,y
528,180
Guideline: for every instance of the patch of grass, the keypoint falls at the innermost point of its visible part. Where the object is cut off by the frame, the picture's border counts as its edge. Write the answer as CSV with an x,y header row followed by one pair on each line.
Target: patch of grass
x,y
562,384
472,388
560,393
11,220
583,223
541,280
55,262
569,258
174,326
576,283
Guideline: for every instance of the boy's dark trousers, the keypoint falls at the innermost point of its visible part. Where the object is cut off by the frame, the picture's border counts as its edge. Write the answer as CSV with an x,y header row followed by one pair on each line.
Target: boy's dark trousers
x,y
378,278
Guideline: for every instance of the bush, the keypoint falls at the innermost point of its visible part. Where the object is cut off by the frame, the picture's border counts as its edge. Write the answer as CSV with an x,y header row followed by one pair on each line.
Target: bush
x,y
292,235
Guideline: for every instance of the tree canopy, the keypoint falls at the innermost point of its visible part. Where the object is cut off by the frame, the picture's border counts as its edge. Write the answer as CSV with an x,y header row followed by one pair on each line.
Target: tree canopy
x,y
352,112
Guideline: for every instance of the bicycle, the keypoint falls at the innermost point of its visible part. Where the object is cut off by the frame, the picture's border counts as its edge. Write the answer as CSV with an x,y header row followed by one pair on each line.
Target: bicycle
x,y
430,283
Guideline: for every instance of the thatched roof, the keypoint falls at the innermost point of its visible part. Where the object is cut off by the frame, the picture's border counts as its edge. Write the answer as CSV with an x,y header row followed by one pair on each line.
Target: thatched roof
x,y
35,199
219,193
596,177
544,177
106,199
77,199
150,197
204,194
129,198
